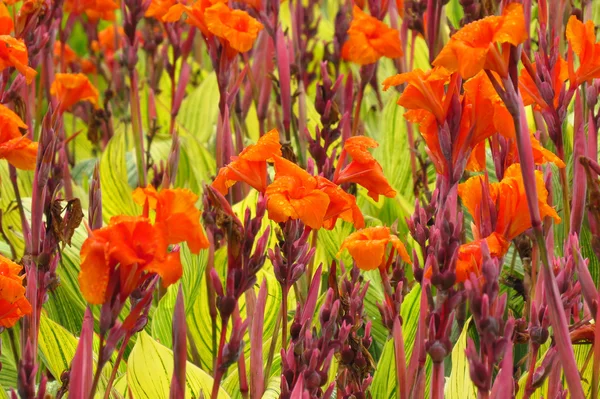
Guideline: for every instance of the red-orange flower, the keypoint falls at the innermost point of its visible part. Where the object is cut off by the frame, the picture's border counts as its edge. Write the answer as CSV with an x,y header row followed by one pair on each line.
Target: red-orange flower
x,y
176,215
13,53
235,28
470,255
63,52
369,39
251,165
159,8
94,9
368,247
508,195
341,205
582,39
6,21
71,88
134,248
13,304
364,169
194,13
17,149
294,194
529,90
475,46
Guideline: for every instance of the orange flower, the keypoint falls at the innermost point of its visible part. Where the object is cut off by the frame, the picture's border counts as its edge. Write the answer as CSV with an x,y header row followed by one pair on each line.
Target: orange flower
x,y
194,13
369,39
13,53
251,165
582,39
236,28
364,169
17,149
508,195
176,215
470,256
159,8
13,304
529,90
71,88
424,91
133,246
107,43
6,21
341,205
368,247
87,66
64,53
475,46
94,9
294,194
541,155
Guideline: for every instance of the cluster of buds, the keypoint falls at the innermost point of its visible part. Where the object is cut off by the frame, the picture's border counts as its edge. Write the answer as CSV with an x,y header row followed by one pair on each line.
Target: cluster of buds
x,y
331,120
487,308
356,364
395,287
305,363
245,256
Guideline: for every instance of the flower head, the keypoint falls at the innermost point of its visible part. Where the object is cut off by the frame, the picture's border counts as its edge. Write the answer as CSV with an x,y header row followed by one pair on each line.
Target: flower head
x,y
530,91
368,247
235,28
369,39
71,88
194,13
364,169
13,304
341,205
475,46
176,215
294,194
470,255
582,39
129,248
159,8
17,149
63,52
13,53
94,9
251,165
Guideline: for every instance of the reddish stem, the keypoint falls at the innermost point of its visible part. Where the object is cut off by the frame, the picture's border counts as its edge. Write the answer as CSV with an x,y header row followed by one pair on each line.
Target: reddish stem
x,y
218,369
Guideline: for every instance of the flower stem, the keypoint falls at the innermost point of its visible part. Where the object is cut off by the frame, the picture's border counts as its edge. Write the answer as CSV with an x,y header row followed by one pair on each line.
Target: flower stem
x,y
115,369
99,367
136,126
218,366
437,381
284,312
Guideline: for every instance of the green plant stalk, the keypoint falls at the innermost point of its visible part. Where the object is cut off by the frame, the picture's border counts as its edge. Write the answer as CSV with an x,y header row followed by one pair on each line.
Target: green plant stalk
x,y
136,126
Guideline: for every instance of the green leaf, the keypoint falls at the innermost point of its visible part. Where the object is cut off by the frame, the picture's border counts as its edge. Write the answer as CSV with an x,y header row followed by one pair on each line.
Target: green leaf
x,y
273,388
150,369
116,192
459,384
199,112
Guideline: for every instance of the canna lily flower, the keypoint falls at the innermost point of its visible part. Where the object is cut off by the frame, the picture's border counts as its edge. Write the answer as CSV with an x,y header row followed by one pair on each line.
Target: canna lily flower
x,y
541,155
63,53
513,211
341,205
6,21
176,215
470,255
368,247
17,149
129,248
251,165
194,13
475,46
530,91
363,169
13,53
582,39
13,303
369,39
236,29
294,194
71,88
508,196
94,9
159,8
